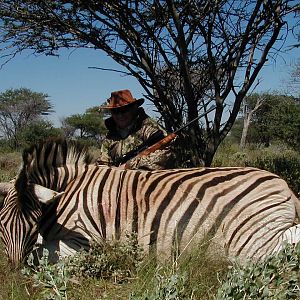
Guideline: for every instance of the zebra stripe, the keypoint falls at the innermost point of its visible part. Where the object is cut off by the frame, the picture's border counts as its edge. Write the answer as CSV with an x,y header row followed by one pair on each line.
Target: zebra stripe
x,y
247,212
18,228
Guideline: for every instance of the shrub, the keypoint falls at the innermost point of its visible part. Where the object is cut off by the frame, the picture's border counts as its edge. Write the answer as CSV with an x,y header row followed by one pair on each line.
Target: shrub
x,y
192,275
277,277
276,159
286,165
53,279
116,260
226,155
112,260
167,287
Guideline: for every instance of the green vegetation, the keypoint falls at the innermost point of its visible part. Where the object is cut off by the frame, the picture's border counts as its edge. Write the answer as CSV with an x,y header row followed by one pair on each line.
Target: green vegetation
x,y
275,278
196,276
21,112
37,131
114,259
23,122
277,159
273,117
88,126
119,270
52,279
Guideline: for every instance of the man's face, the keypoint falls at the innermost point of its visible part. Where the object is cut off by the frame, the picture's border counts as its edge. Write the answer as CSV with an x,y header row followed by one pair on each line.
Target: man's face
x,y
123,117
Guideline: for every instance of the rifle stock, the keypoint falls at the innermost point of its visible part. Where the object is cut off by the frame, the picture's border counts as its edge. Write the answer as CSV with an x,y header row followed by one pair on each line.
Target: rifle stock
x,y
159,145
146,150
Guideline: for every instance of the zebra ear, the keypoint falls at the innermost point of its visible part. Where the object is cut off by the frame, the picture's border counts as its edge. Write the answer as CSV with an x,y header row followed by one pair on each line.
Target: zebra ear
x,y
46,195
5,187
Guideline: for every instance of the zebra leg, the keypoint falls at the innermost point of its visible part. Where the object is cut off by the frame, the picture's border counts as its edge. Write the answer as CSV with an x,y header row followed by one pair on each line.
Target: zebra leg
x,y
296,201
57,249
290,236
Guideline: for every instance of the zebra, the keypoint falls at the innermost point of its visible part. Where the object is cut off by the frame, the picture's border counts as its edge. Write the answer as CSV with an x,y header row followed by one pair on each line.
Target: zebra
x,y
62,195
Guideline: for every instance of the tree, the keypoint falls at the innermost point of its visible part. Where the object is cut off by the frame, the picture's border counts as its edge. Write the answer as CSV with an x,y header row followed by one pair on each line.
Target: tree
x,y
18,109
37,131
183,53
276,118
89,125
295,78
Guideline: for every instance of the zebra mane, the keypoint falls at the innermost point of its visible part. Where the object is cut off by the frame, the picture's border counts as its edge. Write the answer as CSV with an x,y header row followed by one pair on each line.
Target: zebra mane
x,y
48,155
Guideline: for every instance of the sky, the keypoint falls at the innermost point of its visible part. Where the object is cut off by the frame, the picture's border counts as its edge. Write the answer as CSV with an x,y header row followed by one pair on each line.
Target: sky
x,y
73,87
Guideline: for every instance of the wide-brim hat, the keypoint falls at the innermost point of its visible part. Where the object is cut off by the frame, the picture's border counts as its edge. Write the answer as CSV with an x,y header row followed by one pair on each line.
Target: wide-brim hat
x,y
121,99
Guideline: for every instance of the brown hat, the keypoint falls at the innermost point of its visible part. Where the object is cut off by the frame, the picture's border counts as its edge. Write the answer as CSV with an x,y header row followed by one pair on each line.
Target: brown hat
x,y
120,99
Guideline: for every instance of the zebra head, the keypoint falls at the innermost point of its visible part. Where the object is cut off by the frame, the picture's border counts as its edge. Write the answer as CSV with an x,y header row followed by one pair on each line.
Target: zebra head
x,y
41,180
19,216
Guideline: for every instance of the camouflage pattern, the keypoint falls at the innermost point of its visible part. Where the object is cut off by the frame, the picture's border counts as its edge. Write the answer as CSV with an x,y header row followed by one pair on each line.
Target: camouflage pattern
x,y
143,130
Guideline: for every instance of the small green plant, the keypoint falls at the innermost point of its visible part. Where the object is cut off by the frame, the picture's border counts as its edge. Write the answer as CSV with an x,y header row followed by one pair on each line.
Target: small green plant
x,y
167,287
116,260
275,278
52,278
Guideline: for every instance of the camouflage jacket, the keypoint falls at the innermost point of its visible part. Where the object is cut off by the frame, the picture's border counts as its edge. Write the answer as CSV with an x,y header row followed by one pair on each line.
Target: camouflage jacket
x,y
143,130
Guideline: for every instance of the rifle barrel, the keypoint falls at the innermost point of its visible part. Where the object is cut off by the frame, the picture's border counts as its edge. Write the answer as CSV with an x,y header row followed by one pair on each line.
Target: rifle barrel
x,y
195,119
161,143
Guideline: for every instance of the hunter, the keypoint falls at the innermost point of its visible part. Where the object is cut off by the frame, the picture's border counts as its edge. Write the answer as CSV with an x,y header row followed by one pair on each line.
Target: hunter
x,y
128,128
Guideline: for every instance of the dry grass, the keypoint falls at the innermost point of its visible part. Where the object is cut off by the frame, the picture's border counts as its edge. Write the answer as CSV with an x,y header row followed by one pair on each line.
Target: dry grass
x,y
9,165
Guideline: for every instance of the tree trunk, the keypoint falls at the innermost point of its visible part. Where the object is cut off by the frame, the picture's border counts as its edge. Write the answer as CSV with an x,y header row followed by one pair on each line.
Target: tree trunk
x,y
245,130
248,113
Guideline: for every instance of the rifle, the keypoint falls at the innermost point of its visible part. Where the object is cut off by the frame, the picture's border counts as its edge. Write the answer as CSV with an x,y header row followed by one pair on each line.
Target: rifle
x,y
155,143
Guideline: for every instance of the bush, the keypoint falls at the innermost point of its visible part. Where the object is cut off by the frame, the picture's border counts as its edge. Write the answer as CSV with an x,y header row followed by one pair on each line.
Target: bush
x,y
53,279
193,275
167,287
286,165
226,155
113,260
276,159
277,277
116,260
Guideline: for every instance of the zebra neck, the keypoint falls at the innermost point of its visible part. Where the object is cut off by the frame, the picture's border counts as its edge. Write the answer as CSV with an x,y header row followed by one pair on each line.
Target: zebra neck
x,y
57,179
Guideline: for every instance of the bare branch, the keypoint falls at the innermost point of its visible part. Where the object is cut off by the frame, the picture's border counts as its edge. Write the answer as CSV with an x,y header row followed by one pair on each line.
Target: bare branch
x,y
183,53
